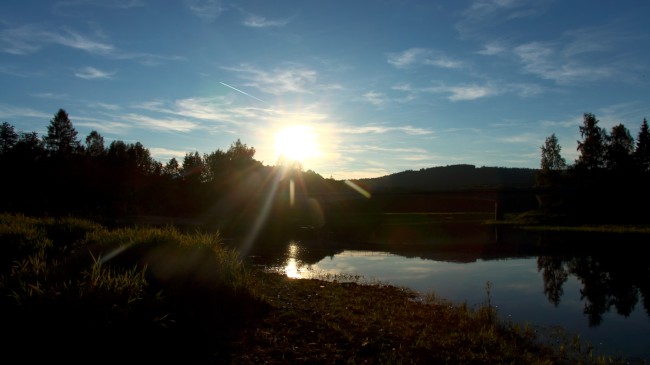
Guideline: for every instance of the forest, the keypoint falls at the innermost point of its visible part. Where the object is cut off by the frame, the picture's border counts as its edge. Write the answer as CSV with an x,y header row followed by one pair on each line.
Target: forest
x,y
58,174
606,184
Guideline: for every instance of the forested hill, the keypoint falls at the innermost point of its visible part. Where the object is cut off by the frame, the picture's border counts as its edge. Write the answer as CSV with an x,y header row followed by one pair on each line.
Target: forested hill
x,y
452,177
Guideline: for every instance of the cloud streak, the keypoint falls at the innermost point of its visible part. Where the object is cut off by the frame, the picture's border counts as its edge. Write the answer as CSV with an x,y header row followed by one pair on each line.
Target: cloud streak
x,y
91,73
376,129
242,92
256,21
29,39
207,10
422,56
283,80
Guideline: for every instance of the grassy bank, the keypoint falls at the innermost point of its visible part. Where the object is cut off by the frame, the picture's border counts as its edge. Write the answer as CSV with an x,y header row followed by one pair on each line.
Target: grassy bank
x,y
540,221
75,291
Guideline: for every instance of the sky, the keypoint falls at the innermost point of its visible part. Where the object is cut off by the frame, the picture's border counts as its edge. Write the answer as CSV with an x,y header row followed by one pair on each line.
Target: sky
x,y
352,89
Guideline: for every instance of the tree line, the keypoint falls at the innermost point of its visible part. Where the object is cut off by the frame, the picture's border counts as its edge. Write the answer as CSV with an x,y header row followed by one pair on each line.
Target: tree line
x,y
57,174
606,183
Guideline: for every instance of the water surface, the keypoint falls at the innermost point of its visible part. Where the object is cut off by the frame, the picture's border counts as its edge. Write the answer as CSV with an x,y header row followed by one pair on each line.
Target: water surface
x,y
603,299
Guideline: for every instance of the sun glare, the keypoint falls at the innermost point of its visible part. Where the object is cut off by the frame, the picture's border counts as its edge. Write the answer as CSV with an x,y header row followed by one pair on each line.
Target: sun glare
x,y
296,143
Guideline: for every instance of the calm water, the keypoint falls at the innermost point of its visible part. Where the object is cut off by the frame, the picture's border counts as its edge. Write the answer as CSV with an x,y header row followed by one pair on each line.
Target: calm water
x,y
601,297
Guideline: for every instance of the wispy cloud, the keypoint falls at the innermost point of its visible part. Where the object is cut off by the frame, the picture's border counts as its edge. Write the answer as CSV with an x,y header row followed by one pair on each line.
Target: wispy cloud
x,y
464,92
160,124
288,79
91,73
107,125
481,14
366,148
106,106
525,90
375,98
216,112
380,129
525,138
118,4
18,73
49,95
208,10
166,154
256,21
10,111
422,56
492,49
586,54
29,39
66,37
469,92
543,60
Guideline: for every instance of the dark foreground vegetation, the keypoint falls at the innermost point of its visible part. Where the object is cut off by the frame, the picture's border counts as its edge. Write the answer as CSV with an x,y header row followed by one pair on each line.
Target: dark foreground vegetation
x,y
75,291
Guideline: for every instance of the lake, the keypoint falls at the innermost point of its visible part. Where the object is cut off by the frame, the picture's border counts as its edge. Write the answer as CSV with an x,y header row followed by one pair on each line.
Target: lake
x,y
596,286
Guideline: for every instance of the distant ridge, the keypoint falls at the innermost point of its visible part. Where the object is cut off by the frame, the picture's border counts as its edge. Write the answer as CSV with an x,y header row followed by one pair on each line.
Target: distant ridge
x,y
452,177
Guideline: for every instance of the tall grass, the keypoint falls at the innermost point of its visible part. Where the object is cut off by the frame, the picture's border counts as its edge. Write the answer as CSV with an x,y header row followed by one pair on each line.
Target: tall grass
x,y
76,277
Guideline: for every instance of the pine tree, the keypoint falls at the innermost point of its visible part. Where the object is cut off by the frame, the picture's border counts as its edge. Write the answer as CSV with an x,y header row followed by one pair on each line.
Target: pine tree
x,y
61,136
642,151
592,147
8,137
620,147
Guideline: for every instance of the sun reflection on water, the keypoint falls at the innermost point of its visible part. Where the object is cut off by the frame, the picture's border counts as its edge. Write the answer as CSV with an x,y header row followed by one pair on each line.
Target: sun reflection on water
x,y
293,267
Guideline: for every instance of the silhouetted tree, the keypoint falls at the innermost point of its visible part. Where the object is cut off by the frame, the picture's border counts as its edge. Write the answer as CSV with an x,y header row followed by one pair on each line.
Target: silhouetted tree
x,y
551,173
193,167
95,144
61,136
619,149
8,137
23,175
141,159
642,151
552,159
172,168
240,155
216,165
29,146
592,146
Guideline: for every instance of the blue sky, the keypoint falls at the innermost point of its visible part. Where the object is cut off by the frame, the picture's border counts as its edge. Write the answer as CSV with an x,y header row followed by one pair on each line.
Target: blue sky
x,y
379,86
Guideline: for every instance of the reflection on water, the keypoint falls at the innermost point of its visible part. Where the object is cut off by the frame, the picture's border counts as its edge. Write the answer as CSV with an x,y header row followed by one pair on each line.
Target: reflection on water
x,y
293,267
605,298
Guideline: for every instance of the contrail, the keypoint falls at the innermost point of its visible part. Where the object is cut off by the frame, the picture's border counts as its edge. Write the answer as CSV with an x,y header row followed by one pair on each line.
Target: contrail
x,y
243,92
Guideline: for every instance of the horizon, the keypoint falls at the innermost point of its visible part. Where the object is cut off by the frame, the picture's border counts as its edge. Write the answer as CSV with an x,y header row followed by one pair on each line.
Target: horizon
x,y
350,90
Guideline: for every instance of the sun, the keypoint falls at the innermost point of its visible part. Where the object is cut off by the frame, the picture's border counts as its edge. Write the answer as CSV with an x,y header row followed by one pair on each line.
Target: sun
x,y
296,143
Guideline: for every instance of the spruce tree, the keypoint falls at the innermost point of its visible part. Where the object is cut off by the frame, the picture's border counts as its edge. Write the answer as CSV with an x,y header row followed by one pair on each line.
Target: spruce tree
x,y
592,147
620,148
642,151
61,136
8,137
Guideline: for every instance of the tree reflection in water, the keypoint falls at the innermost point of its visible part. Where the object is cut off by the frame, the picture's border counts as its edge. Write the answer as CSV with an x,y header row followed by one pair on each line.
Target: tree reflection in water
x,y
608,281
555,275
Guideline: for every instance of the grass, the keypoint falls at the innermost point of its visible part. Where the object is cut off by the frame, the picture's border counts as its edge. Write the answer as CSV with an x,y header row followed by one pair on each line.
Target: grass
x,y
539,221
74,291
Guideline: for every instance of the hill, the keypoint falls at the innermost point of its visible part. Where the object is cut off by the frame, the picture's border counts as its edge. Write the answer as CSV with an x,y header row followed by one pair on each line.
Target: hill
x,y
452,177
